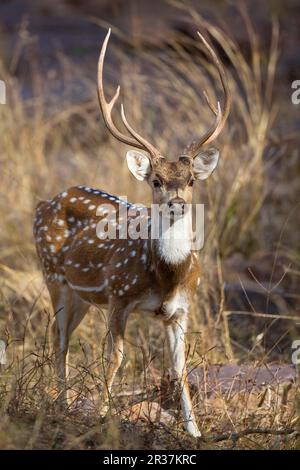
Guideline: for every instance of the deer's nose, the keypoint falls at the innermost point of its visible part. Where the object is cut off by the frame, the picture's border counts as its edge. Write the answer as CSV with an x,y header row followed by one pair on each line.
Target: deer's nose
x,y
176,201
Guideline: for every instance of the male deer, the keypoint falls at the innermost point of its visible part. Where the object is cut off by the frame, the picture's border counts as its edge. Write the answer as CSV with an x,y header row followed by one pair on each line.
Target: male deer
x,y
125,275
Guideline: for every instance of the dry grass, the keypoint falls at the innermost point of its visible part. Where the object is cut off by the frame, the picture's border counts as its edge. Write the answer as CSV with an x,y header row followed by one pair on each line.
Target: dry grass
x,y
47,144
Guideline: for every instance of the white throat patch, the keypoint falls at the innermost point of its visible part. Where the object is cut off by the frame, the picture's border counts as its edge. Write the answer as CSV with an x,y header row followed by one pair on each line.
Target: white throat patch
x,y
174,244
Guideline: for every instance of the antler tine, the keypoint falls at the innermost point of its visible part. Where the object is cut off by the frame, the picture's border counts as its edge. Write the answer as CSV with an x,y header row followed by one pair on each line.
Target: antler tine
x,y
221,116
106,109
149,147
210,104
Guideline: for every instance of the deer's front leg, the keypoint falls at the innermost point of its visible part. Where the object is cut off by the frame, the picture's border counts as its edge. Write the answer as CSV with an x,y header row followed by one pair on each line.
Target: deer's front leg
x,y
175,332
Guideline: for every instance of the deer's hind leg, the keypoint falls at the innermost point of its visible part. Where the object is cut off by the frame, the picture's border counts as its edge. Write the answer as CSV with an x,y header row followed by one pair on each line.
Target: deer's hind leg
x,y
118,315
69,310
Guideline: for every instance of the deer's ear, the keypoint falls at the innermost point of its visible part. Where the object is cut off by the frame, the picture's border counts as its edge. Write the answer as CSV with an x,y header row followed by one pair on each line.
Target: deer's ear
x,y
139,164
205,163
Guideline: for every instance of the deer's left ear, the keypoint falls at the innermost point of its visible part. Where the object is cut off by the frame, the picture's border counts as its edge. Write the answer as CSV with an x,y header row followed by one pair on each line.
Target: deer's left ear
x,y
205,163
139,164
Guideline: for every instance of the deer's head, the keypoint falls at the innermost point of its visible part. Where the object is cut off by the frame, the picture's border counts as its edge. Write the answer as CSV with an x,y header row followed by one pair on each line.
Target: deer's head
x,y
171,182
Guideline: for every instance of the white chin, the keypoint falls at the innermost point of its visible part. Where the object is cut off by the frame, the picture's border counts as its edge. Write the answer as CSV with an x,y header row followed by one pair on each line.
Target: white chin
x,y
176,212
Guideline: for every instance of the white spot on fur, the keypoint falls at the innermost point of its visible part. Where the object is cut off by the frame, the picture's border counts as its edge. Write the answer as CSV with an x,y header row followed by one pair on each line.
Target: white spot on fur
x,y
89,289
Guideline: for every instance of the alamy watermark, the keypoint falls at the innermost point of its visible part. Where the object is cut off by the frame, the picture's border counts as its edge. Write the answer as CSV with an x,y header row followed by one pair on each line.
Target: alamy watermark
x,y
295,97
296,352
2,92
2,353
175,223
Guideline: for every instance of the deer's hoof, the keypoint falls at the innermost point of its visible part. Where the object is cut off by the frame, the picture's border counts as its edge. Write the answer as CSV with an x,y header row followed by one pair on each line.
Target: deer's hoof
x,y
104,411
193,430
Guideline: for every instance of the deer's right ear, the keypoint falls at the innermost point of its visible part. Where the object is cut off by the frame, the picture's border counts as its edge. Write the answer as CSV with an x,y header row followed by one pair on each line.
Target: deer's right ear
x,y
139,164
205,163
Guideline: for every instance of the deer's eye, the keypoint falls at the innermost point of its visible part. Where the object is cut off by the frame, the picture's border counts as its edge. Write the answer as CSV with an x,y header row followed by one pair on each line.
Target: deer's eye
x,y
156,183
191,183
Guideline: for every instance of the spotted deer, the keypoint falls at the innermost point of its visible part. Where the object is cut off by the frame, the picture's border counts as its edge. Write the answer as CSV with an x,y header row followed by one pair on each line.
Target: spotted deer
x,y
125,275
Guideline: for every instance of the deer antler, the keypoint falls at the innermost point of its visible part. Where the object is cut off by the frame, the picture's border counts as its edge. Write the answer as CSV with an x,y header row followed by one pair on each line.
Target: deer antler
x,y
221,116
106,108
144,144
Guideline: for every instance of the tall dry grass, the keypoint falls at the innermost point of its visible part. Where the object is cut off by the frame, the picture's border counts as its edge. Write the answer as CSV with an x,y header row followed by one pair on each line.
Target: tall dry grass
x,y
49,143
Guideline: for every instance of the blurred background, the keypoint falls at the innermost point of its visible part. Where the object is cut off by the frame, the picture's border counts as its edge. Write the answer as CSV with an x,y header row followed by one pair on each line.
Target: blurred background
x,y
52,137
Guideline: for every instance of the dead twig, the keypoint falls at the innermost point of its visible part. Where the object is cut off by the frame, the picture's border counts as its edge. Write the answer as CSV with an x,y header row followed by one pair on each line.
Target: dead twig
x,y
235,436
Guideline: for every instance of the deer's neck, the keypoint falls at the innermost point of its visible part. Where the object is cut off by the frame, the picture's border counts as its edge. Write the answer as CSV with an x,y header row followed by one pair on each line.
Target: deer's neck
x,y
171,250
173,245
